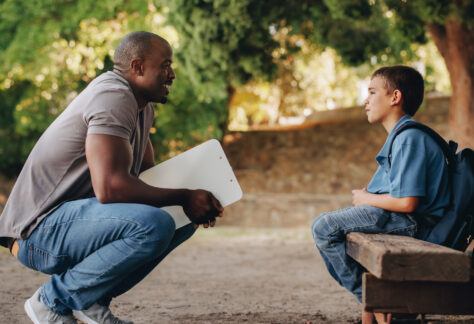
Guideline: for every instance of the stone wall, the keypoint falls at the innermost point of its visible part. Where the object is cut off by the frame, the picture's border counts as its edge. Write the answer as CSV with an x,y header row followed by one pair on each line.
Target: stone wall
x,y
291,176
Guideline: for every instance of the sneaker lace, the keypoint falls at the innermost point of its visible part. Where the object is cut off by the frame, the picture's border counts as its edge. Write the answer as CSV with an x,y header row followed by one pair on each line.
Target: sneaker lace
x,y
112,319
62,319
109,318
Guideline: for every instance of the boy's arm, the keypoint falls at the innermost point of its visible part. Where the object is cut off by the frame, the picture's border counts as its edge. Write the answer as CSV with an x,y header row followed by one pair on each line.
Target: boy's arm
x,y
384,201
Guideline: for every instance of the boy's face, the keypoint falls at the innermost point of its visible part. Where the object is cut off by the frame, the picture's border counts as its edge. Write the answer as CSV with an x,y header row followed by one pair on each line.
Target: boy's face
x,y
378,103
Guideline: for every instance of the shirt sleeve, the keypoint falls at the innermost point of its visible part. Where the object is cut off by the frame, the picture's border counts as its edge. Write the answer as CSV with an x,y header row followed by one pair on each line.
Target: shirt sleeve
x,y
112,112
408,173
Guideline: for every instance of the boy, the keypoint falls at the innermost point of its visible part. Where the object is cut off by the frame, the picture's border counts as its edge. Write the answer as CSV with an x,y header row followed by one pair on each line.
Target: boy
x,y
407,198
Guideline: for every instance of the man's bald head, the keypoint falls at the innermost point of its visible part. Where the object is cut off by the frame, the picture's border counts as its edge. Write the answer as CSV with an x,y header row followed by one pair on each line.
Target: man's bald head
x,y
135,46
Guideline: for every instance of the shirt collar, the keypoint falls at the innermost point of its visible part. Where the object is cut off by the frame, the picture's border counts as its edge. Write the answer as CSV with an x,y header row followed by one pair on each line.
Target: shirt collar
x,y
383,154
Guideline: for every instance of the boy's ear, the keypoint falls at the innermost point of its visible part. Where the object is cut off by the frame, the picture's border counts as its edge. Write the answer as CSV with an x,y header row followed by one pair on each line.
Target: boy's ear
x,y
396,97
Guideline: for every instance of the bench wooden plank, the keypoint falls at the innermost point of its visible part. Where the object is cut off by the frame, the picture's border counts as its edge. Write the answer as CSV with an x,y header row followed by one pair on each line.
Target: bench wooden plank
x,y
417,297
401,258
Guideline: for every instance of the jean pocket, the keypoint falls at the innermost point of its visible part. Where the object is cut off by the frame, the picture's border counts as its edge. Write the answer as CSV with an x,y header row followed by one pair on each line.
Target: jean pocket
x,y
46,262
383,218
369,218
401,224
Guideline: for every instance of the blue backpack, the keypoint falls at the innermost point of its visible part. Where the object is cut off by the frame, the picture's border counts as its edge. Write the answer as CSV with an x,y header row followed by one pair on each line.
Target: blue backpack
x,y
456,228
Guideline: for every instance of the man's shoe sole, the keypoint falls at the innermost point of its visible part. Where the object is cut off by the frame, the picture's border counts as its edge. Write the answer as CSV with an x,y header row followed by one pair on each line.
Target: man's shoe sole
x,y
31,314
83,317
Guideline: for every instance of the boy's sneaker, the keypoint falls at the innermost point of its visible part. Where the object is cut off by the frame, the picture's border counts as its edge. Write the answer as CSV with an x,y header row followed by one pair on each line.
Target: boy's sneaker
x,y
98,314
40,314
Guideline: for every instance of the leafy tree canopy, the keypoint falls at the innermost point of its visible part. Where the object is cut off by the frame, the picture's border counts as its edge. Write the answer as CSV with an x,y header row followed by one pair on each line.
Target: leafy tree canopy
x,y
51,49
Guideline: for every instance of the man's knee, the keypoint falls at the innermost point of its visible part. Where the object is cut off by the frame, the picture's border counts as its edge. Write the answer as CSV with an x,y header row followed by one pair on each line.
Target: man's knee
x,y
158,227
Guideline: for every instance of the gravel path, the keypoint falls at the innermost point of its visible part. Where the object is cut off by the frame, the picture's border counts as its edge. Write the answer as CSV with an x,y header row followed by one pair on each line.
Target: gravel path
x,y
221,275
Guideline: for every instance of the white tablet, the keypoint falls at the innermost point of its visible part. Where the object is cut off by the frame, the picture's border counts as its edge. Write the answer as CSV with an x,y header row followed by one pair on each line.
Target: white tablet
x,y
203,167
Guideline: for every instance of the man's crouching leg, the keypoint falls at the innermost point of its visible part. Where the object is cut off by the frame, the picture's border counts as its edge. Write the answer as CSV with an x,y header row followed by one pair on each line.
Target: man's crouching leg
x,y
180,236
91,249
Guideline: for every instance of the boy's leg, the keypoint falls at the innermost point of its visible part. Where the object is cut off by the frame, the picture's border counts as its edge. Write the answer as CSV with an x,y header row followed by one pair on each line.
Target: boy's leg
x,y
90,248
330,229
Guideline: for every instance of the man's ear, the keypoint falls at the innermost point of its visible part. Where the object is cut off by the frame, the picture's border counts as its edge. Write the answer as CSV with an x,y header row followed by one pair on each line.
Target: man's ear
x,y
136,67
396,97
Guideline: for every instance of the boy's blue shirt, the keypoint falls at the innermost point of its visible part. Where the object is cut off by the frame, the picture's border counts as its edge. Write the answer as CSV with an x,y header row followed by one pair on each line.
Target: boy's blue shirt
x,y
418,169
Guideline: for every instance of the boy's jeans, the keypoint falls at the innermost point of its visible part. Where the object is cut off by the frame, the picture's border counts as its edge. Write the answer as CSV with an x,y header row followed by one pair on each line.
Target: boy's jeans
x,y
98,251
329,233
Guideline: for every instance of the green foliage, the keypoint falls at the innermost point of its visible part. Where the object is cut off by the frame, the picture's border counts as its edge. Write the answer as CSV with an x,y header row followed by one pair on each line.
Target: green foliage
x,y
29,28
9,147
51,49
185,120
349,9
221,45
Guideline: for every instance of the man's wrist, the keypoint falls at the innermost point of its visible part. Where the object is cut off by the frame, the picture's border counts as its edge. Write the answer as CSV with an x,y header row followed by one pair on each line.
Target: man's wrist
x,y
183,196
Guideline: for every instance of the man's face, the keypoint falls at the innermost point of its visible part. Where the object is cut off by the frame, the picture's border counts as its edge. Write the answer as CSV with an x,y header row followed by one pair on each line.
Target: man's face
x,y
158,75
378,102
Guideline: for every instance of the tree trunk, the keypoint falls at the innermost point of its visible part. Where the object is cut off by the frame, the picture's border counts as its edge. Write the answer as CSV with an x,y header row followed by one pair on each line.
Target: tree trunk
x,y
224,124
455,42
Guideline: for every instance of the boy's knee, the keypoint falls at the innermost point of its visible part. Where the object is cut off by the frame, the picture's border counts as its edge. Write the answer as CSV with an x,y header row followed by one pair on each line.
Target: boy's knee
x,y
320,229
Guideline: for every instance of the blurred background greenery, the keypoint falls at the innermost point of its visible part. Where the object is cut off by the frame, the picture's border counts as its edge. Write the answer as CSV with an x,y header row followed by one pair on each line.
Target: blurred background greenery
x,y
240,64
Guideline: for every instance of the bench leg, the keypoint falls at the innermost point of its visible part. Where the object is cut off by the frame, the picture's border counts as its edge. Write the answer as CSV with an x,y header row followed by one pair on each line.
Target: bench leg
x,y
417,297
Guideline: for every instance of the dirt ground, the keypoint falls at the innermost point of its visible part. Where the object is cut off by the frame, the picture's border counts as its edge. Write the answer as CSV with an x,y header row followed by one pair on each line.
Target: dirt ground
x,y
221,275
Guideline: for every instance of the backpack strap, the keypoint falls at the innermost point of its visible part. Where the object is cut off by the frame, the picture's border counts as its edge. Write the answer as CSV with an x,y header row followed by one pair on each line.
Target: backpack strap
x,y
448,149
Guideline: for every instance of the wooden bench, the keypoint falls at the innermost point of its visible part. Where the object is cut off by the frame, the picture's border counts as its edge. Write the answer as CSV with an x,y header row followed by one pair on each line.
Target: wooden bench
x,y
410,276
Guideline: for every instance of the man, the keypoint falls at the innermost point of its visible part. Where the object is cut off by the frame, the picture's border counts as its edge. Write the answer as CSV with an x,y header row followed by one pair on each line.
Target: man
x,y
78,210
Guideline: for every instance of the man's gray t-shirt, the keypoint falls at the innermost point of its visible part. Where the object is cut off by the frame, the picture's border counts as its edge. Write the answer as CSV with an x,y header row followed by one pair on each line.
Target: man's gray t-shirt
x,y
56,170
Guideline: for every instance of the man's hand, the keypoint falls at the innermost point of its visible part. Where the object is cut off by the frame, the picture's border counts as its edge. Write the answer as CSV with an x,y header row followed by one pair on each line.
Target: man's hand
x,y
202,208
360,197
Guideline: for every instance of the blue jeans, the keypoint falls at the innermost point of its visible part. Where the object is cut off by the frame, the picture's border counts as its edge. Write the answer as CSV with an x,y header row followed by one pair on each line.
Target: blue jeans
x,y
329,233
95,252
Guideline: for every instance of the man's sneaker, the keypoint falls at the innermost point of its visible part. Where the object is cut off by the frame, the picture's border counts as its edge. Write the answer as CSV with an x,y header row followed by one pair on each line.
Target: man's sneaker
x,y
98,314
40,314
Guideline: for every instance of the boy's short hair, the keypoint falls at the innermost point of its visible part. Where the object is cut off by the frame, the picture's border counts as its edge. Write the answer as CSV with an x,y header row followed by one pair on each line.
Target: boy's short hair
x,y
408,81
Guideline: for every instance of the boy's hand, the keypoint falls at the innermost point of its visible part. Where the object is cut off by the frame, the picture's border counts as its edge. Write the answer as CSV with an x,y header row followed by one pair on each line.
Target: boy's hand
x,y
384,201
360,197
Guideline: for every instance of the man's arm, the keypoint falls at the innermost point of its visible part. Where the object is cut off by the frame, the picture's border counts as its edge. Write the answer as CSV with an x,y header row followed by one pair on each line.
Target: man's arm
x,y
110,159
148,157
384,201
